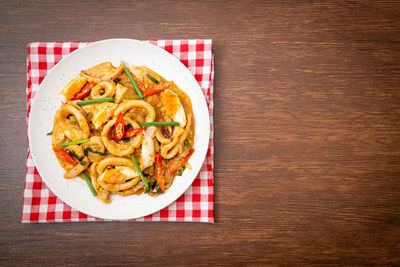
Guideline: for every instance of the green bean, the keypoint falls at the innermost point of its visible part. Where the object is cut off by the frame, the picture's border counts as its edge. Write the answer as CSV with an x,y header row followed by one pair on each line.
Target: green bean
x,y
139,171
89,183
75,142
156,123
86,149
95,101
154,80
134,83
187,144
72,153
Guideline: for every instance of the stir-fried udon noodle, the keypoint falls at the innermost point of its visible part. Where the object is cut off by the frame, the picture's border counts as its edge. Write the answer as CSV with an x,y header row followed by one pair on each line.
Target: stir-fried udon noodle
x,y
123,130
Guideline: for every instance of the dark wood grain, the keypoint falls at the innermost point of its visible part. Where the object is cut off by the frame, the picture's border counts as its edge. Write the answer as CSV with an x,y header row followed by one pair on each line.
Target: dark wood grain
x,y
307,133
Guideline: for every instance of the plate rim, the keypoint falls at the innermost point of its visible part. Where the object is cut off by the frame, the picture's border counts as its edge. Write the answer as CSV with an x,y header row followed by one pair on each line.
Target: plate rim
x,y
203,99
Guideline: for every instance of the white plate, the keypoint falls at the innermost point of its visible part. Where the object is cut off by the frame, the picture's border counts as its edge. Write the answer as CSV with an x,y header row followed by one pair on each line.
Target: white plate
x,y
75,192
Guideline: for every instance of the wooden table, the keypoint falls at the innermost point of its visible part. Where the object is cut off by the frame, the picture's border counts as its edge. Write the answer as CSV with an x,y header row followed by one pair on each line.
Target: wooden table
x,y
307,133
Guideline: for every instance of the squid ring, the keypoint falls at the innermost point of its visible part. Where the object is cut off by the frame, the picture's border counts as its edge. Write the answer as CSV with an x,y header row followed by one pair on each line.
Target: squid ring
x,y
168,151
116,161
72,131
103,89
121,148
128,104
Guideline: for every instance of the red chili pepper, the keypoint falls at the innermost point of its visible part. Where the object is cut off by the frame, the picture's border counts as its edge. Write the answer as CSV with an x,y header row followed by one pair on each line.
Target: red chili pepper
x,y
64,156
119,129
175,164
155,89
84,91
132,132
160,176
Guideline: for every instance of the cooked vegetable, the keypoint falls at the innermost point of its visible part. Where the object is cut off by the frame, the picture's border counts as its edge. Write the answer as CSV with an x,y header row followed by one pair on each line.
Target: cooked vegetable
x,y
50,133
187,144
139,171
72,153
119,128
83,162
152,91
89,149
84,91
176,163
159,190
64,156
89,183
156,123
95,101
132,97
159,171
134,83
154,80
179,173
132,132
75,142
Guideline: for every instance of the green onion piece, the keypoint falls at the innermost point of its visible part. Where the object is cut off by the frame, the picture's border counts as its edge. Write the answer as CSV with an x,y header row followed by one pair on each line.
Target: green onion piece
x,y
126,140
132,97
72,153
154,80
83,162
134,83
156,123
50,133
129,126
75,142
87,149
179,173
89,183
95,101
159,189
139,171
187,144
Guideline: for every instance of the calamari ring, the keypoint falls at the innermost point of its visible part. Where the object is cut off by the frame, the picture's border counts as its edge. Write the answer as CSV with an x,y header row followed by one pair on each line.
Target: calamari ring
x,y
116,161
121,148
128,104
96,143
169,148
71,131
103,89
160,137
168,151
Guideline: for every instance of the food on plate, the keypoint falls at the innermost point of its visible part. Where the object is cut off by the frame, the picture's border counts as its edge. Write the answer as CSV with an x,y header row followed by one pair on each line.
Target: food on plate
x,y
124,130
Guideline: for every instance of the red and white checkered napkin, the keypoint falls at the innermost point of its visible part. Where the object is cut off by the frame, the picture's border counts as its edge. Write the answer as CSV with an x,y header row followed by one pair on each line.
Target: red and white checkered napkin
x,y
195,205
